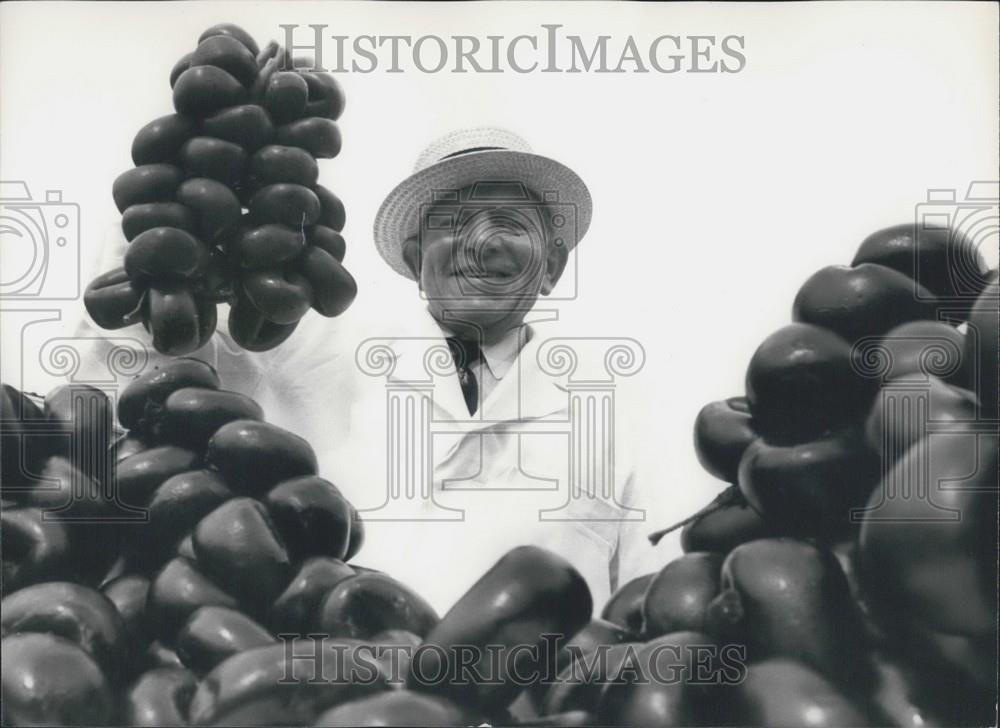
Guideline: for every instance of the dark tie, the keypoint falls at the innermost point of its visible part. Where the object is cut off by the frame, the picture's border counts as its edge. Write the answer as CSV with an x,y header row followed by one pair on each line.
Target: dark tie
x,y
466,353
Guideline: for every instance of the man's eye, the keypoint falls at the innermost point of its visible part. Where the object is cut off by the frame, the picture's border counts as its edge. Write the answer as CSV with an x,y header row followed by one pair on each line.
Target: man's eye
x,y
437,239
439,222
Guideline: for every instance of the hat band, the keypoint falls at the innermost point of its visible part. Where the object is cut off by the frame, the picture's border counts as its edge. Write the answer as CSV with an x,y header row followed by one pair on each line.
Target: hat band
x,y
470,150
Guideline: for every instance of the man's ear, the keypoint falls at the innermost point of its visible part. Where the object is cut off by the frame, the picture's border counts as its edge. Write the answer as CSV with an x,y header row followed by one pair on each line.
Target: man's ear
x,y
555,264
411,255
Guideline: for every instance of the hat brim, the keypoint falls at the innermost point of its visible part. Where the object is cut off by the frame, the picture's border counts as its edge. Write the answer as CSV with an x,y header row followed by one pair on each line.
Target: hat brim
x,y
399,215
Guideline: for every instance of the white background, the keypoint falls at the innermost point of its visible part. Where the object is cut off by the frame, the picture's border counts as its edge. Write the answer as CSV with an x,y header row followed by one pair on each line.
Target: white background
x,y
715,195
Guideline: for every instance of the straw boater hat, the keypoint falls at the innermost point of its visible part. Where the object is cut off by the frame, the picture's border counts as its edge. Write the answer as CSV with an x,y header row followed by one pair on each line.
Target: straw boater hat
x,y
463,158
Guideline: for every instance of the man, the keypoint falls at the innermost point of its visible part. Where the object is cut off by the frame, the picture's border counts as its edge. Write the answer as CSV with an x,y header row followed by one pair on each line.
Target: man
x,y
446,431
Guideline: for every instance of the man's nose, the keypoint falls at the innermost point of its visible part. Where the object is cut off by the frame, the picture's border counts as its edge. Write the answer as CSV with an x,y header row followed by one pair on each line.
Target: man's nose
x,y
494,243
483,248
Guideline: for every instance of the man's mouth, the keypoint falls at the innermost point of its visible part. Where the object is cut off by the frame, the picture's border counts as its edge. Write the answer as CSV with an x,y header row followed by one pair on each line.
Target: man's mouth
x,y
485,275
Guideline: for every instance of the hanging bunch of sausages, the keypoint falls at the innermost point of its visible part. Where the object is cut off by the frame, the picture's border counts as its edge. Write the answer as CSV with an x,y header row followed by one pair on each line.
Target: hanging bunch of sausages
x,y
224,203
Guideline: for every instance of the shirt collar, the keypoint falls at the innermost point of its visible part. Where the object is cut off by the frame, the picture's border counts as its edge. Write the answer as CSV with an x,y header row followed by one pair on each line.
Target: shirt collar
x,y
501,354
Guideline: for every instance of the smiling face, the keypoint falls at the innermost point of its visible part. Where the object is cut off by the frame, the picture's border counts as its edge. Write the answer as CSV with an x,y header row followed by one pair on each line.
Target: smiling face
x,y
483,260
